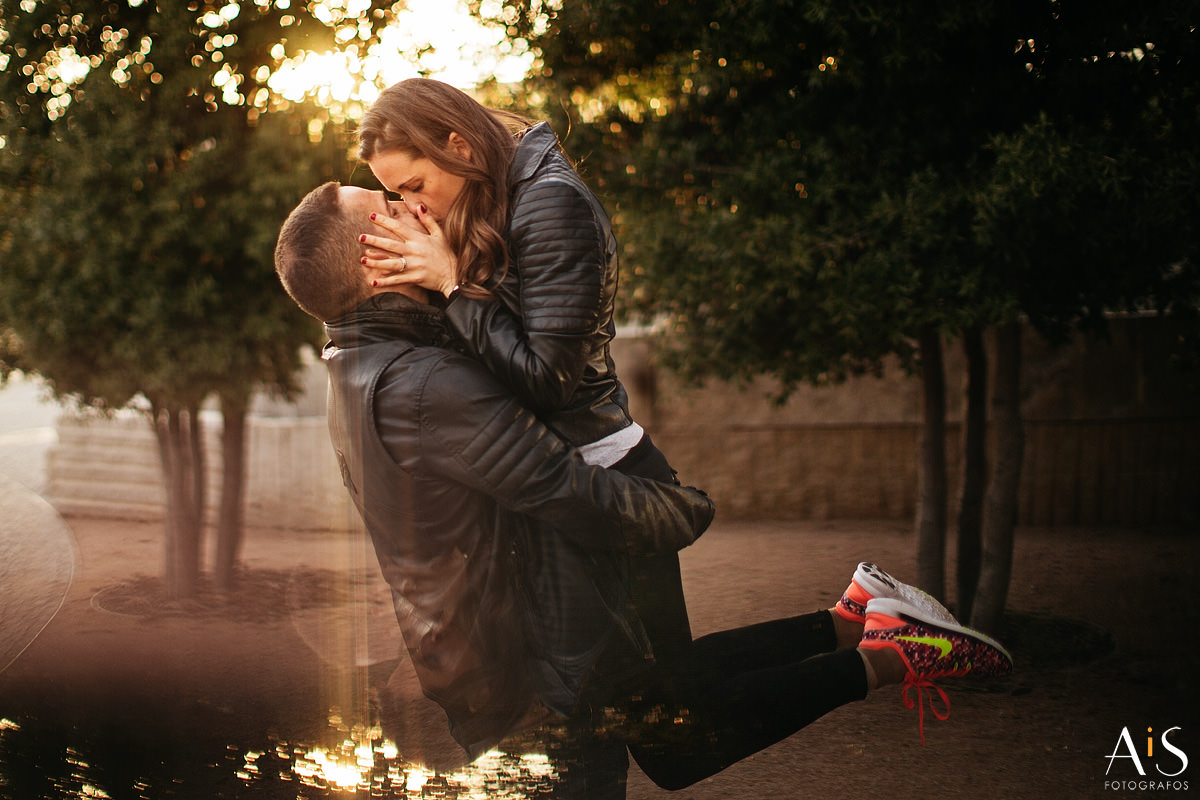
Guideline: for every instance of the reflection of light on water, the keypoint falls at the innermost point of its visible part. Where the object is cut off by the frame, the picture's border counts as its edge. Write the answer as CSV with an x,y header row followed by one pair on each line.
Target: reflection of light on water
x,y
79,771
368,763
78,784
364,765
350,636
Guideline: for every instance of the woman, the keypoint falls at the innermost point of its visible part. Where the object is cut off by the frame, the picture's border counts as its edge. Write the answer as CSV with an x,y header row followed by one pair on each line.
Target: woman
x,y
525,257
505,217
506,230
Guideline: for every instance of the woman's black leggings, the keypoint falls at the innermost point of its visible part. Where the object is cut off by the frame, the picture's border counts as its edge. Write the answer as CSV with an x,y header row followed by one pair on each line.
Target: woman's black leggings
x,y
736,693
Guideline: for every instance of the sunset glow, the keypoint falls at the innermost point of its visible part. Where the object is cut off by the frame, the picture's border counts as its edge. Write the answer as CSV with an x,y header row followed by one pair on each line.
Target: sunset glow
x,y
431,38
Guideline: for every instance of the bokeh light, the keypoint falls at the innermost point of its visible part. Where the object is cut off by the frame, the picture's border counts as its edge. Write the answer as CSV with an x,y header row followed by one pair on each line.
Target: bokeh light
x,y
430,38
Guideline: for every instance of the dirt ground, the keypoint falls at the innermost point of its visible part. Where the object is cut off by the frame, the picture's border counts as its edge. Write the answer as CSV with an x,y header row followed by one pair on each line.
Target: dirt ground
x,y
125,695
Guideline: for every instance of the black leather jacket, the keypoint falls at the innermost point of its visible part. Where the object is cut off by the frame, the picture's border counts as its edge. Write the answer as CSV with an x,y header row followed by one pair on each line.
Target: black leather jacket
x,y
458,486
547,339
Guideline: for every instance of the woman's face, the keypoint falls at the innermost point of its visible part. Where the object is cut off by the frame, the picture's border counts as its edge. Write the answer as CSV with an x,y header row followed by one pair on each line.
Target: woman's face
x,y
418,181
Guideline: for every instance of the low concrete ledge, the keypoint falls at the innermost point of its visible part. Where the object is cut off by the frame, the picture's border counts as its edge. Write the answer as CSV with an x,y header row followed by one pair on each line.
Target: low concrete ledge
x,y
109,468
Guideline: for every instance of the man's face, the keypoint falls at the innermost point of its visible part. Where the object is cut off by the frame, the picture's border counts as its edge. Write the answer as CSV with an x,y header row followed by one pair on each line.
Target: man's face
x,y
358,204
418,181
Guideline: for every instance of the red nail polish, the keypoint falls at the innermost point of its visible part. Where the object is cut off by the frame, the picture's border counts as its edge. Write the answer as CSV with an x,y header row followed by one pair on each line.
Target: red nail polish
x,y
363,260
424,210
362,238
374,283
372,216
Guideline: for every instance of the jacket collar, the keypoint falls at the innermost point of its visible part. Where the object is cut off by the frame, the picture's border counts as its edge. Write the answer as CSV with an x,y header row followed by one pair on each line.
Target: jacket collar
x,y
388,317
531,150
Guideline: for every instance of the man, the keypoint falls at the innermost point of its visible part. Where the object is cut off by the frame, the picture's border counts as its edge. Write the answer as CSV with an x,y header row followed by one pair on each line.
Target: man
x,y
473,506
504,551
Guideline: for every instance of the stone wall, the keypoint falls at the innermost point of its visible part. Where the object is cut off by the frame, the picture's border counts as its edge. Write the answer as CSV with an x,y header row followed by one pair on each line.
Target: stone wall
x,y
1113,437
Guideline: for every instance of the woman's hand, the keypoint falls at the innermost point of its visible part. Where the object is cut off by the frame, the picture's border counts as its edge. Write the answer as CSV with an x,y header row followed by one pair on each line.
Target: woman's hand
x,y
413,251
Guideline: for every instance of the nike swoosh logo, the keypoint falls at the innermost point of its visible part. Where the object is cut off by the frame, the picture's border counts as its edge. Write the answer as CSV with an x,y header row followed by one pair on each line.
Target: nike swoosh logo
x,y
944,646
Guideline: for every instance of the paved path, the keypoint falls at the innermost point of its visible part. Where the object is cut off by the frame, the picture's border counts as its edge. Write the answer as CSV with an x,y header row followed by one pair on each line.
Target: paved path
x,y
37,563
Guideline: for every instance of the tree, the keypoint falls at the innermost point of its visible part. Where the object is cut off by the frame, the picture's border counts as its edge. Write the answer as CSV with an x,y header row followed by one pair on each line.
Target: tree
x,y
147,166
806,187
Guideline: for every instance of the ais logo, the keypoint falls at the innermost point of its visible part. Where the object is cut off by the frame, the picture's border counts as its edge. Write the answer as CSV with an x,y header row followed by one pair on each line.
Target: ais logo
x,y
1167,759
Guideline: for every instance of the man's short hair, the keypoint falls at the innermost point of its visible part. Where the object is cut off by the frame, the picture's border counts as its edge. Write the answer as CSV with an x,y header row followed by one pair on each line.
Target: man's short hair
x,y
318,256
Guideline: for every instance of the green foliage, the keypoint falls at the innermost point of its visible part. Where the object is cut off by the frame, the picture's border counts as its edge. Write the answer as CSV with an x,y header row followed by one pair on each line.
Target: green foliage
x,y
141,201
803,186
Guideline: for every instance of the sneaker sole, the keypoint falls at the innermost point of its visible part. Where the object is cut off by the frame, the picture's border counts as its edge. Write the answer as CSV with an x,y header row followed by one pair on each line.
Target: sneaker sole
x,y
913,614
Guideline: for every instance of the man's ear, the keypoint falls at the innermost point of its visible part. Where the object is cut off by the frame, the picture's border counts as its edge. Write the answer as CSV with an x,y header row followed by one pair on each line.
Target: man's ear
x,y
459,146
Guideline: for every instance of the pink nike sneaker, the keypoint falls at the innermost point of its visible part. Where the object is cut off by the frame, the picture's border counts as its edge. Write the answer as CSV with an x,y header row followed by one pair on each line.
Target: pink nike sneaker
x,y
870,581
932,648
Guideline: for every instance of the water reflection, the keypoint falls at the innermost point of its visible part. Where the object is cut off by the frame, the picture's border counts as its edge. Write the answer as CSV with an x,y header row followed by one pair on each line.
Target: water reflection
x,y
212,730
375,768
363,765
67,774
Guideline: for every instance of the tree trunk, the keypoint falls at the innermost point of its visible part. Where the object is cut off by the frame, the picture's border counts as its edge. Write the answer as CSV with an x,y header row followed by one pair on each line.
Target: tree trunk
x,y
178,432
974,470
229,520
1000,509
931,469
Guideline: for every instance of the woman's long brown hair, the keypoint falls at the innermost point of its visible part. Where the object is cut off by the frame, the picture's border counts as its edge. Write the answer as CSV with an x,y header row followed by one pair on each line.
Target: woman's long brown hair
x,y
416,117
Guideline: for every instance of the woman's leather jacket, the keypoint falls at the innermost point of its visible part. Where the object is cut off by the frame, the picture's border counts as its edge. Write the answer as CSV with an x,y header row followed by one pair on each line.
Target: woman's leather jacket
x,y
547,339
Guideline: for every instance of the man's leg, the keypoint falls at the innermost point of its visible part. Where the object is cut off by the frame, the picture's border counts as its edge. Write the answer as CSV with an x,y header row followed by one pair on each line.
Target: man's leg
x,y
589,756
656,584
724,684
592,763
